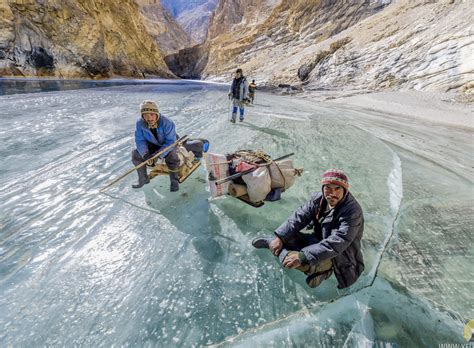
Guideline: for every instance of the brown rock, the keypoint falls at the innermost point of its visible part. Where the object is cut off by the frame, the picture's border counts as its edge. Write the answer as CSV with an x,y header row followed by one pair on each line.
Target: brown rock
x,y
85,39
161,25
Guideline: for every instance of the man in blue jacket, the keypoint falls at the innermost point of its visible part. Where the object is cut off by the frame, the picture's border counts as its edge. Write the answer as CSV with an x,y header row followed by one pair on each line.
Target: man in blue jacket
x,y
335,244
154,132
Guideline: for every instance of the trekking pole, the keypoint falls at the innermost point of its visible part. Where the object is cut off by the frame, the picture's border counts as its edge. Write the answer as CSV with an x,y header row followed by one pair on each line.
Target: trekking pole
x,y
230,107
238,175
177,142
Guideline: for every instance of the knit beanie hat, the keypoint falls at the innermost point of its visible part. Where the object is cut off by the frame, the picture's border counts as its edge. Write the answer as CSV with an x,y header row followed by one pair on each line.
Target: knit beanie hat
x,y
148,107
336,177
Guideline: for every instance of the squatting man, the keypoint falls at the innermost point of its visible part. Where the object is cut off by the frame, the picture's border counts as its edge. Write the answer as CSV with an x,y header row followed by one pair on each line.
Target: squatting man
x,y
154,132
335,243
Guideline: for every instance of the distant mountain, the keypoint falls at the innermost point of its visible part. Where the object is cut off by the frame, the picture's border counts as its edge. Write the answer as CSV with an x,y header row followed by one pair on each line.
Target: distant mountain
x,y
192,15
176,7
195,21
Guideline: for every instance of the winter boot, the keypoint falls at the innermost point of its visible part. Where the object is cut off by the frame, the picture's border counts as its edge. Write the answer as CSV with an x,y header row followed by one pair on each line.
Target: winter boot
x,y
174,183
143,178
234,116
262,242
315,279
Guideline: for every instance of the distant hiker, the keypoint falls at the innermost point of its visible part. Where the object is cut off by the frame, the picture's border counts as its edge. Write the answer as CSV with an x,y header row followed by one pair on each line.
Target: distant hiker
x,y
238,93
252,89
337,222
154,132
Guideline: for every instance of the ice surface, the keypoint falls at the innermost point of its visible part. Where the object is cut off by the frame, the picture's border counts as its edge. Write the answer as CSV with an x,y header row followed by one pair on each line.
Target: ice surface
x,y
154,268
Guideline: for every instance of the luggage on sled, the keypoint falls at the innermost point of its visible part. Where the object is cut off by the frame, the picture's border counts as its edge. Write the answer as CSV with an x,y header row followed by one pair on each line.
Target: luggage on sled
x,y
251,176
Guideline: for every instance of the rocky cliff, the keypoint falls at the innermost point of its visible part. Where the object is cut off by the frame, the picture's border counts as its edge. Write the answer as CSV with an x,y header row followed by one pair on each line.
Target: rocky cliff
x,y
324,44
76,38
256,35
231,32
160,24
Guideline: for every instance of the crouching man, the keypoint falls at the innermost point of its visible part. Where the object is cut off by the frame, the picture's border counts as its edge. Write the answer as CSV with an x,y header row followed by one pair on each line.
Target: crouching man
x,y
154,132
335,243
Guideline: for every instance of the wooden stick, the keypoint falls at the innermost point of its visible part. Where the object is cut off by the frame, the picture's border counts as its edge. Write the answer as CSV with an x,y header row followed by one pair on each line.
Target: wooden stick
x,y
177,142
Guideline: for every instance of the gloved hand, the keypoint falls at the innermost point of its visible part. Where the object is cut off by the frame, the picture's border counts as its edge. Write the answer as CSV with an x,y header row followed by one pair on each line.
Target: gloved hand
x,y
230,95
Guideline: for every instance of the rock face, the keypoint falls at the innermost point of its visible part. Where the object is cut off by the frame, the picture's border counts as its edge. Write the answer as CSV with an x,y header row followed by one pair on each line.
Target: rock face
x,y
255,34
231,21
408,45
160,24
76,38
314,44
189,63
234,19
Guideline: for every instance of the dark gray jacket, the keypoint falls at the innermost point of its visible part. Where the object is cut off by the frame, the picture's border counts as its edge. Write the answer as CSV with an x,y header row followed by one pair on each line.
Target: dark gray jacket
x,y
338,235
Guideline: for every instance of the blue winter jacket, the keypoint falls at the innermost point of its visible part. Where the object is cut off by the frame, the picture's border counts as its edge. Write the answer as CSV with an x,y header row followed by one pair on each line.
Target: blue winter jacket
x,y
143,136
339,235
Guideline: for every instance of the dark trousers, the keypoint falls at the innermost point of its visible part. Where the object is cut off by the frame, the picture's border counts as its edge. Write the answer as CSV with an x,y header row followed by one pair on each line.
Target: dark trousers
x,y
297,243
171,160
294,245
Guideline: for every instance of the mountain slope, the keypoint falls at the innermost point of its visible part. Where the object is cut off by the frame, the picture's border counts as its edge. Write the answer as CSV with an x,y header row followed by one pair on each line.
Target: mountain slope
x,y
76,38
160,24
288,26
371,45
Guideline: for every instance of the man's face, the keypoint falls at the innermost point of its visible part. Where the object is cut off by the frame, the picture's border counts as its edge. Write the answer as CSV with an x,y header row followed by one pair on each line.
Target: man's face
x,y
150,118
333,194
238,75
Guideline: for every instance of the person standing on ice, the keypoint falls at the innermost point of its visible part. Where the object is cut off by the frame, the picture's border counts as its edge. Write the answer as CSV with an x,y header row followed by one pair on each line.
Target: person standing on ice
x,y
252,89
238,93
154,132
335,244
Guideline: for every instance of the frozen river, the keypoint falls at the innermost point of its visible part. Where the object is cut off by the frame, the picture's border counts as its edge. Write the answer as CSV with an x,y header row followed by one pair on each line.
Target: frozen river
x,y
153,268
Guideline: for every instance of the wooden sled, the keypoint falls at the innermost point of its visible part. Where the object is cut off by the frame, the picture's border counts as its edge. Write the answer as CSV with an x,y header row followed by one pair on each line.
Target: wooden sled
x,y
183,172
246,199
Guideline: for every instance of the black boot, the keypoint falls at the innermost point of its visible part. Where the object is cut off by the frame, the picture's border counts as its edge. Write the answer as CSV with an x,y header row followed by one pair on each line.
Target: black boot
x,y
262,242
143,178
141,183
174,183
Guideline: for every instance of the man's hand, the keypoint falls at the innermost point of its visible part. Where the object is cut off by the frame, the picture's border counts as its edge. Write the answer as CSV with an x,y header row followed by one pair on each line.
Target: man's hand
x,y
292,261
149,161
276,245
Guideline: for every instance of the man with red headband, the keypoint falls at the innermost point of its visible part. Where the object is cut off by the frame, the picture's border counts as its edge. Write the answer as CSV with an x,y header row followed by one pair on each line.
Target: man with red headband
x,y
334,246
